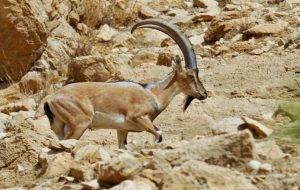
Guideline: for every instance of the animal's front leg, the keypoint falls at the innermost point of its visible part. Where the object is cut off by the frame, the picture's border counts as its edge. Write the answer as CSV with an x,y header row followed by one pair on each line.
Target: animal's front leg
x,y
122,138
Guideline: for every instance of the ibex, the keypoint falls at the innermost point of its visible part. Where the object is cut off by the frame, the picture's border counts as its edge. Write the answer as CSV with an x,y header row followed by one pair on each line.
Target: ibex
x,y
125,106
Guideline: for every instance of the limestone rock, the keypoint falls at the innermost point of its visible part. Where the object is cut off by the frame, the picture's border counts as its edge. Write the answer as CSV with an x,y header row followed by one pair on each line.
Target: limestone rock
x,y
22,105
269,150
118,169
254,165
91,68
143,56
90,185
218,150
205,3
227,125
164,59
23,38
259,130
82,171
123,39
55,165
32,82
264,29
92,154
147,12
199,175
223,27
62,44
106,33
68,144
207,16
131,185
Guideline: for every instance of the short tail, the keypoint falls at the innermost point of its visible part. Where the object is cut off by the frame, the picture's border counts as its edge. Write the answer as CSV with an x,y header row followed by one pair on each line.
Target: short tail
x,y
48,112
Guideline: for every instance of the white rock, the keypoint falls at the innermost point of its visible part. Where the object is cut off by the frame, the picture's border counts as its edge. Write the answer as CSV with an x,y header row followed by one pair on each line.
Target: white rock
x,y
69,143
266,167
2,135
92,185
132,185
254,165
197,39
106,33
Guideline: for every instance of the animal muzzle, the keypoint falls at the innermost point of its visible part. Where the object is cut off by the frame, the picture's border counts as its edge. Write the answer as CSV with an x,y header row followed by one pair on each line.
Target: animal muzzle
x,y
189,99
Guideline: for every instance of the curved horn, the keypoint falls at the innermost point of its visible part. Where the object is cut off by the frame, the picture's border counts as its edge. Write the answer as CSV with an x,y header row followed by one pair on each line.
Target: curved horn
x,y
172,31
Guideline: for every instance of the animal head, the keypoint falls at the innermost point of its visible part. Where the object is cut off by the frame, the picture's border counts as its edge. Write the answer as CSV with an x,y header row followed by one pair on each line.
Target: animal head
x,y
188,82
187,77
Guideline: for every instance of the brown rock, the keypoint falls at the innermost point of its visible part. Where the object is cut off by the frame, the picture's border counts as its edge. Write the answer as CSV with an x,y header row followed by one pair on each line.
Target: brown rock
x,y
142,57
91,68
22,105
164,59
120,168
225,27
23,38
258,129
82,171
32,82
199,175
205,3
263,29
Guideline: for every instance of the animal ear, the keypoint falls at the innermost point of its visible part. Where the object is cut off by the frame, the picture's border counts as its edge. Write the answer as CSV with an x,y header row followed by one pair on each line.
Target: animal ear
x,y
176,63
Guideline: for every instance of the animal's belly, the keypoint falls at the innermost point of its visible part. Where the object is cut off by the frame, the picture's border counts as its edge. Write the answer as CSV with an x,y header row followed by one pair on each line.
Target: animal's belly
x,y
113,121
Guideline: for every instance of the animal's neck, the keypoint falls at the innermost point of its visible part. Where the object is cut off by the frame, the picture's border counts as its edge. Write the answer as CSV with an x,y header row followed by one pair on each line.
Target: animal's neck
x,y
164,91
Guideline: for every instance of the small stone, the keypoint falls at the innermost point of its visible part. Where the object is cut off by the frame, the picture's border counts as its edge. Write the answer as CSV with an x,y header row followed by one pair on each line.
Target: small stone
x,y
147,12
118,169
205,3
259,130
65,179
131,185
164,59
254,165
92,154
266,167
90,185
3,135
263,29
256,52
68,144
197,39
82,171
106,33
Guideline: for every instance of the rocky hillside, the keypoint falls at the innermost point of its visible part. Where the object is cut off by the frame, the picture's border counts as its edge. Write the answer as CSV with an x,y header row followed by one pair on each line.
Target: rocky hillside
x,y
244,136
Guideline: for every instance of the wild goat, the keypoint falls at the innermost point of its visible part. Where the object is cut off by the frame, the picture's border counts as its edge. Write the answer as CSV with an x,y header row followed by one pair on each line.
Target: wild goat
x,y
125,106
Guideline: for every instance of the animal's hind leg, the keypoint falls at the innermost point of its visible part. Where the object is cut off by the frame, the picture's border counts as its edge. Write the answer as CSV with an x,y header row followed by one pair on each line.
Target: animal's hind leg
x,y
122,138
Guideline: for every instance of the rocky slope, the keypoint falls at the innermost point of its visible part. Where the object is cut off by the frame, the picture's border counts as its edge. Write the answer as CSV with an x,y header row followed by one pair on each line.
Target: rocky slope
x,y
244,136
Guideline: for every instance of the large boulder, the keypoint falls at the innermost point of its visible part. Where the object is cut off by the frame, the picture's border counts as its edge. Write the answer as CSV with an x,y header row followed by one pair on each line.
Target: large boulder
x,y
22,36
199,175
91,68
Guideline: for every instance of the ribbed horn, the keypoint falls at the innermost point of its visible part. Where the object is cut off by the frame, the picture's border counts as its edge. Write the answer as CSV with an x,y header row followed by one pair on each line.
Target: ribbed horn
x,y
172,31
